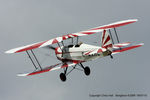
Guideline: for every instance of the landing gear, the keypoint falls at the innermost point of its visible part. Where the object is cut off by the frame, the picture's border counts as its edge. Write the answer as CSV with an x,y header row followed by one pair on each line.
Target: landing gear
x,y
62,77
87,70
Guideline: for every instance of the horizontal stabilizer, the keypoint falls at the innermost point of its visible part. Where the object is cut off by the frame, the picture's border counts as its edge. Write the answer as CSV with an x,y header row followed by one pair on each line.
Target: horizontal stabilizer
x,y
125,48
119,45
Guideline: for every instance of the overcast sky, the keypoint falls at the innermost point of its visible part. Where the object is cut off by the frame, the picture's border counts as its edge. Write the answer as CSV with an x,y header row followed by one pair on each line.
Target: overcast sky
x,y
24,22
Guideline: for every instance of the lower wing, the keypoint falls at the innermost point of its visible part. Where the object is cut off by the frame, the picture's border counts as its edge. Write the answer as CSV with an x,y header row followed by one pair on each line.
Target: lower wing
x,y
50,68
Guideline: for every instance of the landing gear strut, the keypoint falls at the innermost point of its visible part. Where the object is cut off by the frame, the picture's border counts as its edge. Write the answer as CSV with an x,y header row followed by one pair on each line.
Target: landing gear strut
x,y
111,56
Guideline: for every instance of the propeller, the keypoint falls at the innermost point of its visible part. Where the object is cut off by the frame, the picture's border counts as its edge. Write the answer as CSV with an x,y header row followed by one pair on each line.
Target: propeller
x,y
46,55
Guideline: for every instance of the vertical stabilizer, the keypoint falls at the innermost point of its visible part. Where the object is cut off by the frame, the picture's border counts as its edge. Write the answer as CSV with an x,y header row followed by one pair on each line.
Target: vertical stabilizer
x,y
106,41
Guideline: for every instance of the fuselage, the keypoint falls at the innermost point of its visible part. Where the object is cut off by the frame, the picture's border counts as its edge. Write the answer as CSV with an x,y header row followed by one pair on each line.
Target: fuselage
x,y
80,52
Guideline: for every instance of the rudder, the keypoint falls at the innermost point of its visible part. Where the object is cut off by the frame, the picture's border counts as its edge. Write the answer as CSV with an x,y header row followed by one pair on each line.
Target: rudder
x,y
106,41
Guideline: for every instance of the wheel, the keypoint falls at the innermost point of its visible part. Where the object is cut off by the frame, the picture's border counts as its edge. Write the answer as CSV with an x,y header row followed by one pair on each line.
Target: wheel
x,y
63,77
87,70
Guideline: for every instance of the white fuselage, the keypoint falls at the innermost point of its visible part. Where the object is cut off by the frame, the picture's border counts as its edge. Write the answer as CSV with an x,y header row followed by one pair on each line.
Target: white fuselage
x,y
83,52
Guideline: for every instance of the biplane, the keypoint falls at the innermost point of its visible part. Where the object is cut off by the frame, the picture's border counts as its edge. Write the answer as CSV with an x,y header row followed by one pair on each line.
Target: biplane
x,y
76,53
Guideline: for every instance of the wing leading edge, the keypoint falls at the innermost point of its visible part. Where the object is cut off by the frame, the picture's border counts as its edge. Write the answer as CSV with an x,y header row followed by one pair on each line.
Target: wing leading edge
x,y
64,37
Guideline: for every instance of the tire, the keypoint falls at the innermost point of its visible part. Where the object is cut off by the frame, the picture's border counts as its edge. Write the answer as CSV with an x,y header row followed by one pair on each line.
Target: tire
x,y
87,71
62,77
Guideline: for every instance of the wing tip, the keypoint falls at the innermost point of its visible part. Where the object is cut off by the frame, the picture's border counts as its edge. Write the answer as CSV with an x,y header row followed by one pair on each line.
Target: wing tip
x,y
22,74
134,20
141,44
8,51
11,51
131,20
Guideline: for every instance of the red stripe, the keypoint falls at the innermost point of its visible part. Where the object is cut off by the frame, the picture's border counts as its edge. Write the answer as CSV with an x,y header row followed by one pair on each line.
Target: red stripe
x,y
54,41
108,38
74,35
31,47
103,36
88,33
75,61
56,51
69,36
64,37
38,72
99,50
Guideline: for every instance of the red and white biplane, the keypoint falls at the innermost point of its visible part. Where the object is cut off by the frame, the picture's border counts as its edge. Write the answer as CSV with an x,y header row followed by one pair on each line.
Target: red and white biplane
x,y
77,53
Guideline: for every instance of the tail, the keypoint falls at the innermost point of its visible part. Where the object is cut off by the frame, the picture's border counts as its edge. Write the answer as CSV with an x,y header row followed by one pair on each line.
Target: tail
x,y
106,41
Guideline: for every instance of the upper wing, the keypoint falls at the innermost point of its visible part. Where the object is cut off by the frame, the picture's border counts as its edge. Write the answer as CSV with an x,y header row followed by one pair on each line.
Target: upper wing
x,y
50,68
64,37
